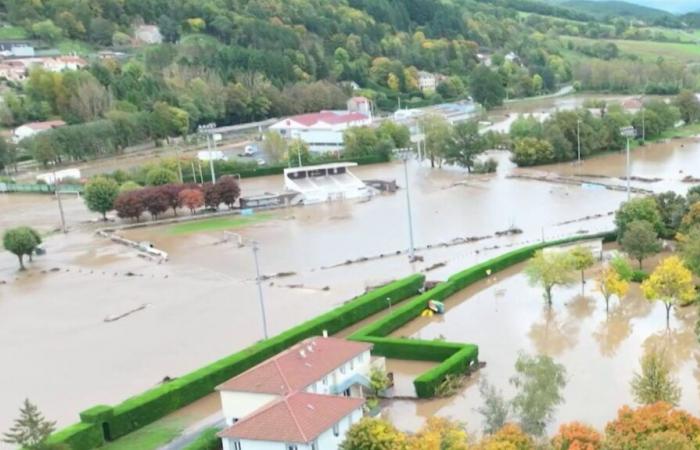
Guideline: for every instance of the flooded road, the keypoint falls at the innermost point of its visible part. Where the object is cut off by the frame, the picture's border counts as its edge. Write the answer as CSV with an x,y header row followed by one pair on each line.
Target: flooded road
x,y
600,351
202,304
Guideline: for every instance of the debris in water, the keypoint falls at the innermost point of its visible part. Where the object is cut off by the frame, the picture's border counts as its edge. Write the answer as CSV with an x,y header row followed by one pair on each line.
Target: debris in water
x,y
121,316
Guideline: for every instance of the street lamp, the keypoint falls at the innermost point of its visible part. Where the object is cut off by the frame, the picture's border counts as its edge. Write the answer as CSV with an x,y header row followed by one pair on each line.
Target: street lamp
x,y
628,132
405,154
57,188
578,138
206,130
258,281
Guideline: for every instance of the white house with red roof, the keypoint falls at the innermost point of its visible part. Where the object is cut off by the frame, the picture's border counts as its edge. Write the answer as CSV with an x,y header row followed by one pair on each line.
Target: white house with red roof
x,y
33,128
304,398
323,131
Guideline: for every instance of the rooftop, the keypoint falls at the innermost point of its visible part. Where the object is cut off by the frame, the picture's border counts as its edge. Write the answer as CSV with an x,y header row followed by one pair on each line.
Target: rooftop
x,y
329,117
299,418
44,125
297,367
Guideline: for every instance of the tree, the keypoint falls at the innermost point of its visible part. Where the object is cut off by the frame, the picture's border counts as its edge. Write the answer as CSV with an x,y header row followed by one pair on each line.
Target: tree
x,y
465,144
31,430
671,283
21,241
100,194
212,198
550,269
172,194
298,151
486,88
155,201
192,199
642,208
379,380
538,381
439,433
610,283
532,151
575,435
689,246
274,145
495,408
582,258
648,426
228,190
159,176
655,383
129,186
436,131
689,106
47,31
640,240
373,434
129,205
672,208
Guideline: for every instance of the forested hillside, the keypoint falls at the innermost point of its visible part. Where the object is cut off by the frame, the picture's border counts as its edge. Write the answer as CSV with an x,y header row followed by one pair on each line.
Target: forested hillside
x,y
232,61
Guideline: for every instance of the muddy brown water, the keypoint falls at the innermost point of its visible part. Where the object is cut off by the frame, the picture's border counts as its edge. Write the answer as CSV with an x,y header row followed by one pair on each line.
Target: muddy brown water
x,y
202,304
600,351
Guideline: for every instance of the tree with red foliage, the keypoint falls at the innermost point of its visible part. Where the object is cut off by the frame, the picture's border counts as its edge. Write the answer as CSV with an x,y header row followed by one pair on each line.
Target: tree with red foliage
x,y
155,201
212,196
172,193
129,205
577,436
192,199
654,426
228,189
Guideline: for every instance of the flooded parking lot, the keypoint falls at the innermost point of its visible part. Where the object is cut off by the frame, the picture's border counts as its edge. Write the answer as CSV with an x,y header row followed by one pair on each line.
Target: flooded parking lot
x,y
202,304
600,351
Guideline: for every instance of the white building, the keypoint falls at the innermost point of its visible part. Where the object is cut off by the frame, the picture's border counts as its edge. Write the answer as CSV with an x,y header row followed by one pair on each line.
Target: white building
x,y
323,131
427,82
305,398
148,34
60,175
16,49
33,128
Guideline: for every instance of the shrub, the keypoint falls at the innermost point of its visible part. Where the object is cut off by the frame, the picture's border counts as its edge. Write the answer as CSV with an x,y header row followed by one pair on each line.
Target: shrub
x,y
208,440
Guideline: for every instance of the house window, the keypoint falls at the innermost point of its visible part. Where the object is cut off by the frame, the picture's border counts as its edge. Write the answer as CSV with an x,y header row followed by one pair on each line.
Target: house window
x,y
361,357
342,369
291,446
325,381
236,445
314,445
336,429
352,364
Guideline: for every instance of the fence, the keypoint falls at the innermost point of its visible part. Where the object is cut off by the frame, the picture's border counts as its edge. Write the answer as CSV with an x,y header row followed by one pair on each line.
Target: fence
x,y
40,188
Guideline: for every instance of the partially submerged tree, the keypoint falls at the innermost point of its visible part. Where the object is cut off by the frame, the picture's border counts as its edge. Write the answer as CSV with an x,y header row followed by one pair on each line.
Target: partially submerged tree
x,y
550,269
192,199
129,205
373,434
689,245
31,430
439,433
538,381
228,190
655,382
100,194
582,258
610,283
642,208
671,283
494,409
21,241
640,240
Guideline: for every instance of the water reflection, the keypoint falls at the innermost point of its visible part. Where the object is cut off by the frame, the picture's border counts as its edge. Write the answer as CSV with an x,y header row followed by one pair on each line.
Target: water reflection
x,y
554,333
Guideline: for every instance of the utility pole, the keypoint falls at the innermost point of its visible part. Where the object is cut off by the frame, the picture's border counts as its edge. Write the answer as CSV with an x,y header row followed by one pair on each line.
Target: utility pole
x,y
206,130
57,188
628,132
644,131
258,281
405,154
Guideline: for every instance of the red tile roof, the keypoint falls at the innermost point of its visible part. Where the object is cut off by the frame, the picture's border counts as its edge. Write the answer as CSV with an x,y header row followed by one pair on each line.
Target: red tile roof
x,y
44,125
290,371
330,117
299,418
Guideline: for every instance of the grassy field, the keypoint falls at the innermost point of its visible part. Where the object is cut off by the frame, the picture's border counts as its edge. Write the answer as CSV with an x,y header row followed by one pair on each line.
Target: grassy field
x,y
216,224
650,50
149,437
11,32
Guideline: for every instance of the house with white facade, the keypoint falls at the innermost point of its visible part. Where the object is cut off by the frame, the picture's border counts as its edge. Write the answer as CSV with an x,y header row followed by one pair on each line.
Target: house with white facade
x,y
16,49
323,131
305,398
148,34
34,128
427,82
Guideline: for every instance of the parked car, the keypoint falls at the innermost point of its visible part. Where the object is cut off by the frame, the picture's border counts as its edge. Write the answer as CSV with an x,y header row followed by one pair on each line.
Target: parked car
x,y
250,150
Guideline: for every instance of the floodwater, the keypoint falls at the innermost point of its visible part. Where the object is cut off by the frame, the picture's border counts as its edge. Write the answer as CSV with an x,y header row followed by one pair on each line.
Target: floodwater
x,y
601,352
202,304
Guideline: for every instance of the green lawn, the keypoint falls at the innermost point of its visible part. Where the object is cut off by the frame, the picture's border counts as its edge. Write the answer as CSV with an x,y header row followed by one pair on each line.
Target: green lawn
x,y
650,50
68,46
149,437
216,224
11,32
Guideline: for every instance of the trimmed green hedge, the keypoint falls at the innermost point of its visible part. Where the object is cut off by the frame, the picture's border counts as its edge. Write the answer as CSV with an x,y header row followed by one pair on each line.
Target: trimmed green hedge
x,y
208,440
454,358
80,436
155,403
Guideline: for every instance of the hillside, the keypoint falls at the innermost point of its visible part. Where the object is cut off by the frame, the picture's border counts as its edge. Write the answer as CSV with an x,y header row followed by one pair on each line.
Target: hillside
x,y
614,8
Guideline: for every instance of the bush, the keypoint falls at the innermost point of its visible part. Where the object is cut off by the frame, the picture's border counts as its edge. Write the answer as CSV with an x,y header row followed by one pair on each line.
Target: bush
x,y
639,276
80,436
208,440
153,404
488,166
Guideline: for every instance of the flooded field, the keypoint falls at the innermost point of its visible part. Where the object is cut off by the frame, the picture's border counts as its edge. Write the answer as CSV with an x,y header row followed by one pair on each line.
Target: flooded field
x,y
202,304
600,351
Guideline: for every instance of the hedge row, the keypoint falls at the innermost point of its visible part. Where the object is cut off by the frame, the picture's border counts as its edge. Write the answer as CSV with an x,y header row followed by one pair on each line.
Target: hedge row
x,y
455,358
153,404
208,440
79,436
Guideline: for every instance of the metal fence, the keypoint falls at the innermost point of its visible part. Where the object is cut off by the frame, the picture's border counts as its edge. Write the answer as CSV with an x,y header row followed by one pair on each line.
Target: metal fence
x,y
40,188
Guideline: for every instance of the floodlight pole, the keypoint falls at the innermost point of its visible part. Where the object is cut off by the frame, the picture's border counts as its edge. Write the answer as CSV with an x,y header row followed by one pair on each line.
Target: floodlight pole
x,y
258,281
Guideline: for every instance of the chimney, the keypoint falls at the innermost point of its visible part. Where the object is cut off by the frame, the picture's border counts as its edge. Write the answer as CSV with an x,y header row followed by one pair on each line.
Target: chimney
x,y
325,333
302,353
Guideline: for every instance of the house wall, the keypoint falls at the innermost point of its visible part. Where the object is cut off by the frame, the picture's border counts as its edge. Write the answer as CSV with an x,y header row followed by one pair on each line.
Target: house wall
x,y
236,405
326,440
358,365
